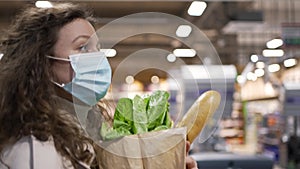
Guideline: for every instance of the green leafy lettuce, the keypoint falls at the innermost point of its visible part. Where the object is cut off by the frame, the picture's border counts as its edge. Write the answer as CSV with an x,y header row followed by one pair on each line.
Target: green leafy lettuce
x,y
139,115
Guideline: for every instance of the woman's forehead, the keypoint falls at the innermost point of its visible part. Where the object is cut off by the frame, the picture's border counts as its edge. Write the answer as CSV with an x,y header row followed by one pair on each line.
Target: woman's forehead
x,y
76,28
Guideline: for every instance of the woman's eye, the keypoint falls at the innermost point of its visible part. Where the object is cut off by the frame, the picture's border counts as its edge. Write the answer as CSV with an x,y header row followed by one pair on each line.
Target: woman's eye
x,y
89,47
83,48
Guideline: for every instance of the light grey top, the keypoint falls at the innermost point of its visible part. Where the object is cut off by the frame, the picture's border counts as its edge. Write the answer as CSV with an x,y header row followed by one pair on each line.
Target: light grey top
x,y
30,153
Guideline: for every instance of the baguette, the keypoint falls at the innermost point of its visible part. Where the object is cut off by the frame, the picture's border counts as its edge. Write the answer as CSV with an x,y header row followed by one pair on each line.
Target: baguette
x,y
202,109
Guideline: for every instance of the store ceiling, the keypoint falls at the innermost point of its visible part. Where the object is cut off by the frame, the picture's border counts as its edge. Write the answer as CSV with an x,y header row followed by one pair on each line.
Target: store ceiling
x,y
220,23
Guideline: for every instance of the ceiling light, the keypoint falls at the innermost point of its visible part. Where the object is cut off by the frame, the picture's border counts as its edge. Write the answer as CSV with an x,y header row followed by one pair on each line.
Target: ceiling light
x,y
171,57
273,53
1,55
251,76
43,4
129,79
183,31
109,52
290,62
274,43
155,79
259,72
260,65
254,58
184,52
197,8
274,68
240,79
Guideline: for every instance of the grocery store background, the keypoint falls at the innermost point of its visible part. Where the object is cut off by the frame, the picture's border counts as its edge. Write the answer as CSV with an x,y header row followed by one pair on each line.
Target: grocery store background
x,y
258,44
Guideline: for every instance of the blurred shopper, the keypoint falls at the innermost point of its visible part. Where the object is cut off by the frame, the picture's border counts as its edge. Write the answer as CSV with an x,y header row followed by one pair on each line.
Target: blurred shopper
x,y
38,126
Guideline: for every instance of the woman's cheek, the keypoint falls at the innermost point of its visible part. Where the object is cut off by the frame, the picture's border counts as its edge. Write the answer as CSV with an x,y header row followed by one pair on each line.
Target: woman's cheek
x,y
63,73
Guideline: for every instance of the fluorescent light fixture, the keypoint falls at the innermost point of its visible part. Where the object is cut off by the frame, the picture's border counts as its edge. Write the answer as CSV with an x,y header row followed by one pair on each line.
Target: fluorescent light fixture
x,y
251,76
183,31
184,52
254,58
290,62
273,53
259,72
274,43
260,65
171,57
274,68
109,52
197,8
43,4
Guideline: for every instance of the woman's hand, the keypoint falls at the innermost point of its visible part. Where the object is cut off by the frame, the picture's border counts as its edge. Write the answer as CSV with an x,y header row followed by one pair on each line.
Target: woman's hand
x,y
190,162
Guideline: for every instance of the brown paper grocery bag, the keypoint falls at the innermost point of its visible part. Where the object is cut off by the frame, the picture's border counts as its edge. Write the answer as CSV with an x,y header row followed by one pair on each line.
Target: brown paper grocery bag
x,y
153,150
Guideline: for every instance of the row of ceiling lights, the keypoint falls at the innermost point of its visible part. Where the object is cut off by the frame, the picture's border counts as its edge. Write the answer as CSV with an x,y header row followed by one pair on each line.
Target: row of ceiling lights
x,y
183,31
196,9
260,66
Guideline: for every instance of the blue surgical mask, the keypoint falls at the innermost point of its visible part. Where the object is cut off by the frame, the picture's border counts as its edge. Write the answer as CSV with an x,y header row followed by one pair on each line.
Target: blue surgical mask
x,y
92,76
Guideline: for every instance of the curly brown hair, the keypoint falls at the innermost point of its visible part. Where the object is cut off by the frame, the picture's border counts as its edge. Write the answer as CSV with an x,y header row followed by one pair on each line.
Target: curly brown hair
x,y
28,103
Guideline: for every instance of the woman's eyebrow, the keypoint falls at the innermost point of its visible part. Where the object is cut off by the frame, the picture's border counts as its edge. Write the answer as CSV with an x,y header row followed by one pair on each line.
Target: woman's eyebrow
x,y
81,36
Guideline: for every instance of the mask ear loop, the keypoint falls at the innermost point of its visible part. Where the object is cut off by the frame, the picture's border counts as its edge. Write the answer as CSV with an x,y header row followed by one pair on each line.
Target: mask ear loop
x,y
56,58
59,85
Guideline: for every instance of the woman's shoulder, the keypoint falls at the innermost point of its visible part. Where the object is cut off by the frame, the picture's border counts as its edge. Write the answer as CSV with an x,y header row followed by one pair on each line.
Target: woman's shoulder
x,y
29,151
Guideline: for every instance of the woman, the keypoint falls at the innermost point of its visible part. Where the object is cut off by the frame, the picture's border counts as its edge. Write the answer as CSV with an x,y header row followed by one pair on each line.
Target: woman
x,y
29,105
37,130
